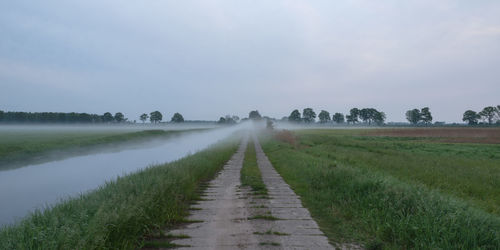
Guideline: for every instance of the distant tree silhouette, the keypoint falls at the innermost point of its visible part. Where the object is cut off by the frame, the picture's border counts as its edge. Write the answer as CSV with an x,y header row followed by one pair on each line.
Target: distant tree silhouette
x,y
488,113
324,116
350,119
119,117
177,118
229,119
308,115
364,115
470,117
295,116
426,115
413,116
338,118
53,117
155,117
379,117
107,117
254,115
371,115
222,120
144,117
353,116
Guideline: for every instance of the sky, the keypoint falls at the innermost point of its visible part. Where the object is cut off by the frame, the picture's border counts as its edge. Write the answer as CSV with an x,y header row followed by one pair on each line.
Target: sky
x,y
207,59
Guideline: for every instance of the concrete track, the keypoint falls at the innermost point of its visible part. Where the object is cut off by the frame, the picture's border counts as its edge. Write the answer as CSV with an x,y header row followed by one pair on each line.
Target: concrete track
x,y
231,217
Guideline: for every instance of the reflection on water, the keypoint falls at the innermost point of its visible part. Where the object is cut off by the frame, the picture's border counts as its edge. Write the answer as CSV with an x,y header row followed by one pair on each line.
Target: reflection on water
x,y
24,189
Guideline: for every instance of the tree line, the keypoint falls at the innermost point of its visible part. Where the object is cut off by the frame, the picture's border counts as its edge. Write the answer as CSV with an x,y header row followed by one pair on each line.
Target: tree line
x,y
60,117
228,119
367,115
252,115
73,117
489,115
157,117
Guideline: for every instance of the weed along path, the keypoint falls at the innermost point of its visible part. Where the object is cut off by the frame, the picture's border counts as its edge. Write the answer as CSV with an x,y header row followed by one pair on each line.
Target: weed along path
x,y
232,216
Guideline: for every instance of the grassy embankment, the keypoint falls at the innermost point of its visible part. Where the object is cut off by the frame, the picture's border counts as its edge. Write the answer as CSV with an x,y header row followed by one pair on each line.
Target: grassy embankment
x,y
120,213
22,147
250,174
394,192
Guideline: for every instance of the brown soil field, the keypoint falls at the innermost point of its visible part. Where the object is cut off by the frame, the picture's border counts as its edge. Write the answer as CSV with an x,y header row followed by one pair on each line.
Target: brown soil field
x,y
458,135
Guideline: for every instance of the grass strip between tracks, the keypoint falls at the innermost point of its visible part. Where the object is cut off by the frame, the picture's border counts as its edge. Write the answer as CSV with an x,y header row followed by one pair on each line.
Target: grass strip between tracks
x,y
120,213
250,173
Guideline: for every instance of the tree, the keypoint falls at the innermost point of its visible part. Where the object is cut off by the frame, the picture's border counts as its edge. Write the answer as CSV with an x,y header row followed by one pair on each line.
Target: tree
x,y
364,114
144,117
426,116
324,116
222,120
353,115
471,117
349,119
229,119
82,117
308,115
254,115
488,113
119,117
235,118
1,115
413,116
294,116
177,118
155,117
379,117
107,117
370,115
338,118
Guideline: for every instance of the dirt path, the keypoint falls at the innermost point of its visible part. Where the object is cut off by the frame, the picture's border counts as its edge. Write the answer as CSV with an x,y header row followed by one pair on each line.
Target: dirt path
x,y
230,217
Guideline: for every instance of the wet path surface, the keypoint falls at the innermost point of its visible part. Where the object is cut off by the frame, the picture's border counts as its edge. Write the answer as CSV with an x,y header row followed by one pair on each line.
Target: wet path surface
x,y
231,217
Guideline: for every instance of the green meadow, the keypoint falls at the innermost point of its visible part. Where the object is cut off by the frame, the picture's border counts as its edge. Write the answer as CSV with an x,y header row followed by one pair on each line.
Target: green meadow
x,y
393,192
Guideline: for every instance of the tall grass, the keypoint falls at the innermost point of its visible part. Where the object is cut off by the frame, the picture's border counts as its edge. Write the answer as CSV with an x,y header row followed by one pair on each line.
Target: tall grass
x,y
467,171
362,204
121,212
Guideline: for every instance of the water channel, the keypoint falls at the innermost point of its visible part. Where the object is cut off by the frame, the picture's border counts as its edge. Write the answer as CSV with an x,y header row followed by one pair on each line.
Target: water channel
x,y
35,186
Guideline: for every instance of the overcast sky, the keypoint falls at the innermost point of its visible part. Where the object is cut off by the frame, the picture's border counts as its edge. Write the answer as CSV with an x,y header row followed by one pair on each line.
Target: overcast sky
x,y
206,59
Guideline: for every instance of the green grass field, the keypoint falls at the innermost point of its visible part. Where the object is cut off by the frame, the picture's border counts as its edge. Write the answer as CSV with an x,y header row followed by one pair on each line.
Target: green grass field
x,y
122,214
395,192
20,147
